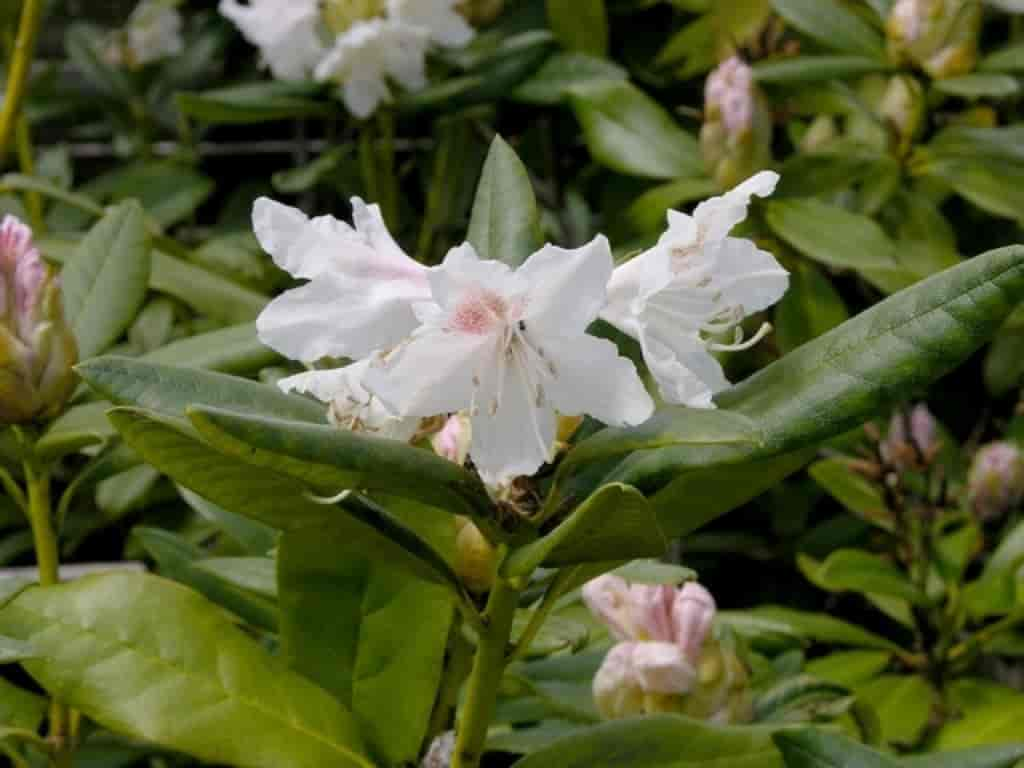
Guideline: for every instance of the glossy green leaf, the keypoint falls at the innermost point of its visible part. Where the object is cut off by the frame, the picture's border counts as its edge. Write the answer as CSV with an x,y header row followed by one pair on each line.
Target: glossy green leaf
x,y
169,191
254,537
629,132
1004,362
504,225
802,625
563,71
811,307
903,704
979,86
849,667
179,560
256,102
343,614
170,390
859,571
203,290
148,658
648,212
253,574
808,69
851,489
1008,59
84,45
76,428
332,460
834,26
580,25
660,741
20,708
810,748
235,349
104,285
979,757
616,523
990,714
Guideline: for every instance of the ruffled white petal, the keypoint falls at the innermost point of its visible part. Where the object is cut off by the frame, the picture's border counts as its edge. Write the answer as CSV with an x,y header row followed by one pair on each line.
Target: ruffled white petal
x,y
591,377
662,668
444,23
747,276
556,273
716,217
686,372
463,271
285,32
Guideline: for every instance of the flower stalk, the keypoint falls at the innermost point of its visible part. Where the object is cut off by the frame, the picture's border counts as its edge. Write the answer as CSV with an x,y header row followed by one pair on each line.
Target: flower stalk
x,y
19,70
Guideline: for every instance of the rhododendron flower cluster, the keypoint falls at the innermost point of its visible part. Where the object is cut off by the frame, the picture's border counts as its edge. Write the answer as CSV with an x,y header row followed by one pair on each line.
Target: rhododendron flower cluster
x,y
508,348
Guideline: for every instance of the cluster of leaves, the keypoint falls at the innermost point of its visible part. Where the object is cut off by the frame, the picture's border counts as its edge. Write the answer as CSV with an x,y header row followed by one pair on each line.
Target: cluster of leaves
x,y
307,633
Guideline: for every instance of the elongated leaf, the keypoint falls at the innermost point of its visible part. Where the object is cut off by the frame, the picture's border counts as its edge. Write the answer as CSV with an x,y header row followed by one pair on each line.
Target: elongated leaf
x,y
563,71
903,704
234,350
832,25
805,69
253,574
979,757
648,212
811,307
332,460
77,427
810,748
504,225
343,614
629,132
146,657
255,537
203,290
860,571
580,25
616,523
255,103
849,667
170,390
660,741
802,625
991,714
104,285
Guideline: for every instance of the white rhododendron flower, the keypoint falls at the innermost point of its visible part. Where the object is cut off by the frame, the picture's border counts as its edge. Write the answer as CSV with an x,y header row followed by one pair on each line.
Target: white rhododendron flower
x,y
287,32
371,53
443,24
361,285
686,297
351,406
152,33
510,346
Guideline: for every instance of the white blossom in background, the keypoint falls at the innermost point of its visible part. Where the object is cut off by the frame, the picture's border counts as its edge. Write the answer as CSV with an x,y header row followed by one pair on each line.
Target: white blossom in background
x,y
511,348
685,298
152,33
287,32
1010,6
366,47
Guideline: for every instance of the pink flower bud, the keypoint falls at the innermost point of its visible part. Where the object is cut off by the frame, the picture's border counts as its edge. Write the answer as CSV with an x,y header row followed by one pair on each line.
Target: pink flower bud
x,y
453,439
909,451
662,668
693,614
995,482
736,136
616,690
608,598
650,612
729,92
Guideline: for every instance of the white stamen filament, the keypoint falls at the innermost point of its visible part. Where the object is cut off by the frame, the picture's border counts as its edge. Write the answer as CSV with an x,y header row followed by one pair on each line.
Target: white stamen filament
x,y
738,344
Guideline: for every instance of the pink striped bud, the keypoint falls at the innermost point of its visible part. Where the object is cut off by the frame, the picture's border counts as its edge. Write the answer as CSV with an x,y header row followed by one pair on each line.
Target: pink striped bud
x,y
693,614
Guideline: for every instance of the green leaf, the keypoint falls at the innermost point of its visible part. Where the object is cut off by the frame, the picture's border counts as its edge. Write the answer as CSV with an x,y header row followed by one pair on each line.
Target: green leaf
x,y
504,225
179,560
832,25
647,213
903,703
990,714
154,660
203,290
104,285
849,667
1004,362
343,614
811,307
997,188
236,350
859,571
563,71
980,757
256,103
256,538
810,748
580,25
978,86
169,191
802,625
332,460
76,428
20,708
1009,59
810,69
253,574
851,489
12,650
660,741
631,133
84,46
170,390
615,523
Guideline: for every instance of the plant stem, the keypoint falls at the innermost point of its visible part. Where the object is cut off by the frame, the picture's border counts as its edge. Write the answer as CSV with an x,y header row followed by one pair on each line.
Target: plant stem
x,y
458,658
37,482
488,667
26,162
18,71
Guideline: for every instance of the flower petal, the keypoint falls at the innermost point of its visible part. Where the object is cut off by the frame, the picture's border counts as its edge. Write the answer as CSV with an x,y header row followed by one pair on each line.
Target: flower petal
x,y
446,25
662,668
513,428
747,276
301,247
616,690
339,317
431,373
716,217
567,287
608,599
591,377
687,374
463,271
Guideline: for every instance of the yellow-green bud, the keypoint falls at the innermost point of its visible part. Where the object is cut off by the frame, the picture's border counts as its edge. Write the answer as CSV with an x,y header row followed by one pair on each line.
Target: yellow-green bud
x,y
939,36
722,693
474,556
339,15
736,138
480,12
37,348
903,109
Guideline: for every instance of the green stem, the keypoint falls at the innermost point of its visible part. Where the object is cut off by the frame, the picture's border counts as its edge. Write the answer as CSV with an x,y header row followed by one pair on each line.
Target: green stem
x,y
458,658
18,72
488,667
37,481
26,162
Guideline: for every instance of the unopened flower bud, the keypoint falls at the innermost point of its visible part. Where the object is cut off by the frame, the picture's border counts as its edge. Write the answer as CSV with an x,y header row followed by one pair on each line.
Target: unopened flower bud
x,y
339,15
693,613
939,36
608,598
819,134
722,691
480,12
441,752
37,349
903,109
995,482
912,441
651,611
153,32
736,137
474,556
452,440
617,693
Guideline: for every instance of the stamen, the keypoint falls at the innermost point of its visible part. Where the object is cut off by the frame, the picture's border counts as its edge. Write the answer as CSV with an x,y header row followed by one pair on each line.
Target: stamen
x,y
328,500
739,345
